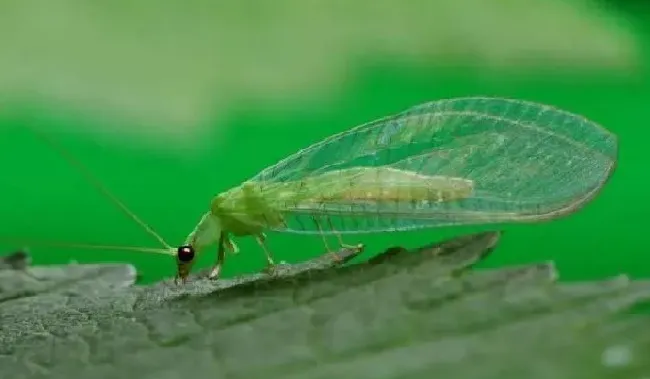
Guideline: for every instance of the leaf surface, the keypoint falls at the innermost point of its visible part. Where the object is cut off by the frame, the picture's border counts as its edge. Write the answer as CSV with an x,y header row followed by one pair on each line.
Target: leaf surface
x,y
401,314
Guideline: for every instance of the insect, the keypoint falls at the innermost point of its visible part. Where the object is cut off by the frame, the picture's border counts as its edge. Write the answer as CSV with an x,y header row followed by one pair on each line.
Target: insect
x,y
462,161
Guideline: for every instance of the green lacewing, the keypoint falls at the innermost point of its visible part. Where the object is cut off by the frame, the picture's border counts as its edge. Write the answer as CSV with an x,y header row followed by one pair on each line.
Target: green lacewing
x,y
461,161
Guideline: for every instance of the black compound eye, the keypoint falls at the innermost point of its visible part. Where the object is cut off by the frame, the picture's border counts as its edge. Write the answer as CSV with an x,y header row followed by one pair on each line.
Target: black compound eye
x,y
185,253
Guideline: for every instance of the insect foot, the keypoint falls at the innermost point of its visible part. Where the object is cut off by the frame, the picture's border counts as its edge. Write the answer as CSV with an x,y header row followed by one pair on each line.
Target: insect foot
x,y
337,257
215,272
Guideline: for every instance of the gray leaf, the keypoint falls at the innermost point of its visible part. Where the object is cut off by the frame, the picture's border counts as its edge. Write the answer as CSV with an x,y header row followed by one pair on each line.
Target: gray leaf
x,y
417,314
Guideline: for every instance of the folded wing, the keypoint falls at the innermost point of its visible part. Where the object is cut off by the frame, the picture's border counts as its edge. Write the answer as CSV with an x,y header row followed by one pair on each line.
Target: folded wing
x,y
449,162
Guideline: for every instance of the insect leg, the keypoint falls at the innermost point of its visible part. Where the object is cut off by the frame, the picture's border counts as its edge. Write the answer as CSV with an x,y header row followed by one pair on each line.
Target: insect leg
x,y
340,238
322,235
261,239
230,245
221,256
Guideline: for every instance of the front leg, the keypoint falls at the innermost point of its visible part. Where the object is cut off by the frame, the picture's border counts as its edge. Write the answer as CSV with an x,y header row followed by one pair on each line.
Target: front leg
x,y
221,257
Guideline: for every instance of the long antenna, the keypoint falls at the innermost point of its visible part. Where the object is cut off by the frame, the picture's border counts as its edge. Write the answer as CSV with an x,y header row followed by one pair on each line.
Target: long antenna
x,y
15,241
100,187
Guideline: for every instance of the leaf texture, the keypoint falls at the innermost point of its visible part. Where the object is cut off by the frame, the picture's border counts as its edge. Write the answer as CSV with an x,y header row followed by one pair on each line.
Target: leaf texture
x,y
401,314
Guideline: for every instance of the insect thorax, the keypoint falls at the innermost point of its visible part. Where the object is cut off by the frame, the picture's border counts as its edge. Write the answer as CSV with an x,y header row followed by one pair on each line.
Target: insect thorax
x,y
244,210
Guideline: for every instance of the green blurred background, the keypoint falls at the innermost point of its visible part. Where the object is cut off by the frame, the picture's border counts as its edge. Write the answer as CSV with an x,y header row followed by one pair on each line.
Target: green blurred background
x,y
171,103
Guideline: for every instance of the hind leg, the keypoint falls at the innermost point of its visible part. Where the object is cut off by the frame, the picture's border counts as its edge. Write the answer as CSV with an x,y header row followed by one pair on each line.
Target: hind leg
x,y
342,244
322,235
339,237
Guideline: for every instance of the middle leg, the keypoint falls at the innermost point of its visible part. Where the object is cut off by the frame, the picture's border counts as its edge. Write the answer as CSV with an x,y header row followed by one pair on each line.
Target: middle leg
x,y
270,262
221,256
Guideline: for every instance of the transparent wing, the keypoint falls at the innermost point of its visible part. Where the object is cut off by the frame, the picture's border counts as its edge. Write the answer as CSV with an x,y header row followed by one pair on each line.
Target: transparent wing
x,y
525,162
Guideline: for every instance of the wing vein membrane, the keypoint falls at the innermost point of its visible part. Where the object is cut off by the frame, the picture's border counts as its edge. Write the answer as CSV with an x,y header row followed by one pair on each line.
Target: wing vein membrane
x,y
450,162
